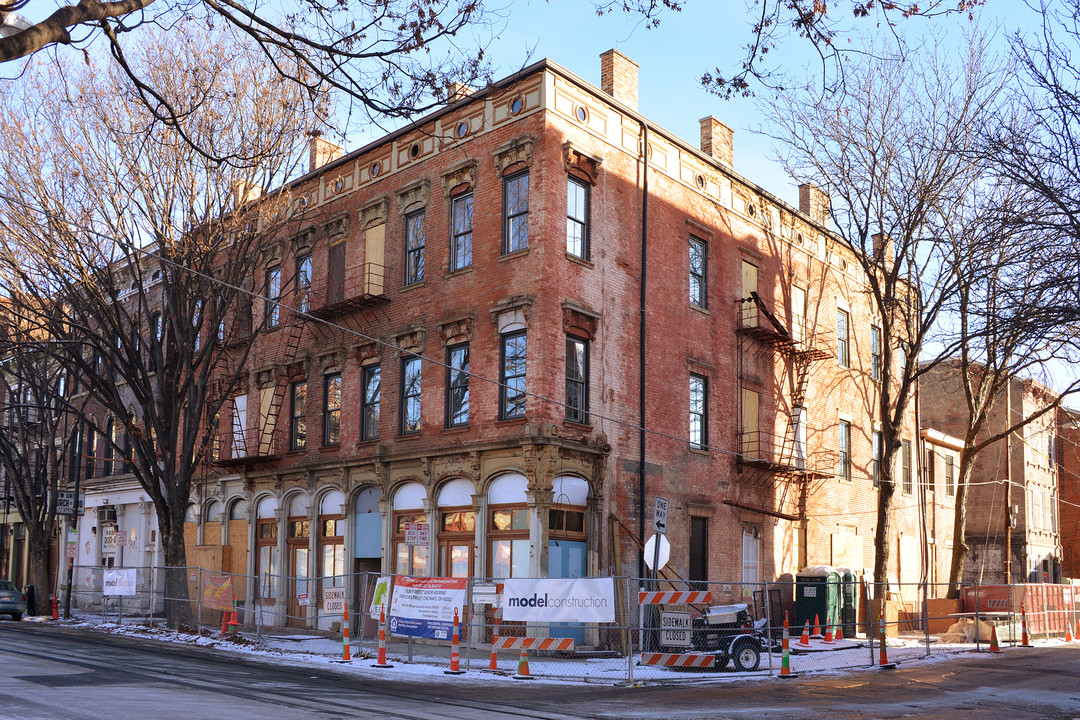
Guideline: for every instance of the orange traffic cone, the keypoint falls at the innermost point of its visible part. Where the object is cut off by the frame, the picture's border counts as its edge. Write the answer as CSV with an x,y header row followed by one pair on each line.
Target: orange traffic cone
x,y
785,664
1025,640
839,631
1068,631
455,661
805,639
381,660
884,664
994,647
55,609
817,627
828,634
225,623
523,666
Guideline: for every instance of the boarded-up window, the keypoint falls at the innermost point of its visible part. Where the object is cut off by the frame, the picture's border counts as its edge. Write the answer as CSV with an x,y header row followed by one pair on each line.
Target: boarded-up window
x,y
335,278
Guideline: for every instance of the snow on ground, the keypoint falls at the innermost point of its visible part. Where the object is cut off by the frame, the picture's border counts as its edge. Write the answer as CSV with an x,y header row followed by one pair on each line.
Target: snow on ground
x,y
430,661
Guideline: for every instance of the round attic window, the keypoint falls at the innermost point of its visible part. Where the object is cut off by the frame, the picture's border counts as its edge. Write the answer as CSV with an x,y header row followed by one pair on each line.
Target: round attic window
x,y
750,209
414,151
517,105
700,181
582,113
462,129
338,184
799,238
376,168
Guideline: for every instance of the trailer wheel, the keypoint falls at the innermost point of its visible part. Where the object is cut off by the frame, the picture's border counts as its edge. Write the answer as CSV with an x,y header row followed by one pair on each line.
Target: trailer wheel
x,y
747,656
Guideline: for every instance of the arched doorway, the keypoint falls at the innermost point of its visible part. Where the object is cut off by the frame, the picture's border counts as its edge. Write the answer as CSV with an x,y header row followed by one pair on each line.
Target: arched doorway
x,y
409,508
508,527
267,560
567,540
457,528
297,547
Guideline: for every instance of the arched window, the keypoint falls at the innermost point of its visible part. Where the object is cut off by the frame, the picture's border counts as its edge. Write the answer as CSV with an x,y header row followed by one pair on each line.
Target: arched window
x,y
190,513
332,539
297,545
110,439
267,562
213,511
409,509
457,528
508,528
566,527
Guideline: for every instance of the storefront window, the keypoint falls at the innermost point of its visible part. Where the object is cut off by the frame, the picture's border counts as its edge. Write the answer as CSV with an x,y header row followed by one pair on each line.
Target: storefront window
x,y
409,508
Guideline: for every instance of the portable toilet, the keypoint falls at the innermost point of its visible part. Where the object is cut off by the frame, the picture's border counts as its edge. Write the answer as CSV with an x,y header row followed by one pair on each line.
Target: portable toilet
x,y
848,601
817,593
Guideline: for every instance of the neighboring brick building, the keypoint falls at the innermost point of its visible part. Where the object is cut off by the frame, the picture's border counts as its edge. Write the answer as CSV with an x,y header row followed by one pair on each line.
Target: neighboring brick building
x,y
941,471
475,362
1026,460
1068,457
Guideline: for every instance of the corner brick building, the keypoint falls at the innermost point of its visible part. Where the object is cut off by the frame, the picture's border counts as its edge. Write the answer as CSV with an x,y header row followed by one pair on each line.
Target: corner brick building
x,y
1068,457
471,359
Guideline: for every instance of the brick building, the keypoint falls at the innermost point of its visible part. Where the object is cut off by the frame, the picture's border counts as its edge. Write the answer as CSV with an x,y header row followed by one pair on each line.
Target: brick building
x,y
1068,458
1026,461
472,359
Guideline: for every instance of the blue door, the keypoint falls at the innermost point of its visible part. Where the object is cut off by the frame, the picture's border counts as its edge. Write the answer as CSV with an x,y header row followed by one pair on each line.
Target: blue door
x,y
566,559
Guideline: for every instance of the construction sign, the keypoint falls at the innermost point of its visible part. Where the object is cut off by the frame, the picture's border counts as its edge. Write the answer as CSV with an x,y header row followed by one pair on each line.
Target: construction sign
x,y
217,591
424,606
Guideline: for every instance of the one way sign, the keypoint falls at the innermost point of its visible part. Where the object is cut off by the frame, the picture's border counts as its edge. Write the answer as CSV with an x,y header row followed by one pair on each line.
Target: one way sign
x,y
659,516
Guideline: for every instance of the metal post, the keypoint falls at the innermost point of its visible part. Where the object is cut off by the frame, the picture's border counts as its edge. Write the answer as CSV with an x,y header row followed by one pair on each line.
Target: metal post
x,y
410,648
978,630
120,609
1046,611
363,612
198,601
870,623
630,636
768,625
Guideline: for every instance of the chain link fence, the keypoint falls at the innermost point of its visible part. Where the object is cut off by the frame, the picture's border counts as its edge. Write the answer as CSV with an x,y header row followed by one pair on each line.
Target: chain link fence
x,y
663,632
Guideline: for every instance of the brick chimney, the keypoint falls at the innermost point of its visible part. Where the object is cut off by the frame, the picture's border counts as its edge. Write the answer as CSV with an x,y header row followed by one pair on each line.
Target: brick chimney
x,y
618,77
718,140
320,152
884,249
456,91
813,201
244,192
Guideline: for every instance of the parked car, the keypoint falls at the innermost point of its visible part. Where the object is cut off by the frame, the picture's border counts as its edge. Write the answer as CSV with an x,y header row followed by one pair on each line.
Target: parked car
x,y
12,600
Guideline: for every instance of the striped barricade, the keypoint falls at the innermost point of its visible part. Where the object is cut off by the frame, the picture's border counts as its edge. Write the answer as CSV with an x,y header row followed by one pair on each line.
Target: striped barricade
x,y
674,597
679,660
534,643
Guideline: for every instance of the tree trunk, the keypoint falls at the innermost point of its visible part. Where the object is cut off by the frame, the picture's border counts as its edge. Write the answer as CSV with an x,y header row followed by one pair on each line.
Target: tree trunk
x,y
960,546
881,534
39,567
178,608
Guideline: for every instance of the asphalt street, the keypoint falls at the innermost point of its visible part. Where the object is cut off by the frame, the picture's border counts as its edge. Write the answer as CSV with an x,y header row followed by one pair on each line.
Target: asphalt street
x,y
56,672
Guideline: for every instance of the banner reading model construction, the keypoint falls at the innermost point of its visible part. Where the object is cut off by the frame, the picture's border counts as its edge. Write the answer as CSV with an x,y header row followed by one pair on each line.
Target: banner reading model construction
x,y
577,600
119,582
424,606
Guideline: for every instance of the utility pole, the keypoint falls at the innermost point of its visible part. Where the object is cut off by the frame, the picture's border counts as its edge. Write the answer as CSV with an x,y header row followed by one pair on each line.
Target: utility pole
x,y
1007,537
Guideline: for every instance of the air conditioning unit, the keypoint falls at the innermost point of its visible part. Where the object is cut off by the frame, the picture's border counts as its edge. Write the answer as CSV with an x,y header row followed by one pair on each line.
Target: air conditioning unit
x,y
106,515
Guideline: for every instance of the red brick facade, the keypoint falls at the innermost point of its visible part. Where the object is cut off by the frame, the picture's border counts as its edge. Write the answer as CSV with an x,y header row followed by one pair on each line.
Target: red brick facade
x,y
757,494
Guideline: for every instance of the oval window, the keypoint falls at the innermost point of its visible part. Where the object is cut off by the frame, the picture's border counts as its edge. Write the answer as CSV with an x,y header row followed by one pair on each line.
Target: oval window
x,y
582,113
516,105
462,129
414,151
376,168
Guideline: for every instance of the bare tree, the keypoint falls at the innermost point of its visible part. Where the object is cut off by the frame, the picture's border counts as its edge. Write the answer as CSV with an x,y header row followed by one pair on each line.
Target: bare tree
x,y
1003,321
776,25
40,438
894,154
389,57
147,247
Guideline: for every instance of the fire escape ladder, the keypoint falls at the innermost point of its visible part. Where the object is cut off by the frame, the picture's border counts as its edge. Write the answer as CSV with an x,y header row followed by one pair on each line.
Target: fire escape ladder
x,y
268,426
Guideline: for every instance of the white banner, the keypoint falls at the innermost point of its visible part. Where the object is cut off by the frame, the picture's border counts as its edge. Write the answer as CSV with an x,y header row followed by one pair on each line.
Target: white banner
x,y
119,582
576,600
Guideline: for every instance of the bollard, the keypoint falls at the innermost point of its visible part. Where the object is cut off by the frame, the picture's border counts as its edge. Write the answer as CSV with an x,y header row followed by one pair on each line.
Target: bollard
x,y
346,649
493,664
1025,640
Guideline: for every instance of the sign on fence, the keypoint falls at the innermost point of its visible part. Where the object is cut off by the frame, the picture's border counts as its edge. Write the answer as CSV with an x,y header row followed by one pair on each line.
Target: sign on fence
x,y
576,600
119,582
381,597
675,629
333,600
217,591
485,594
424,606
